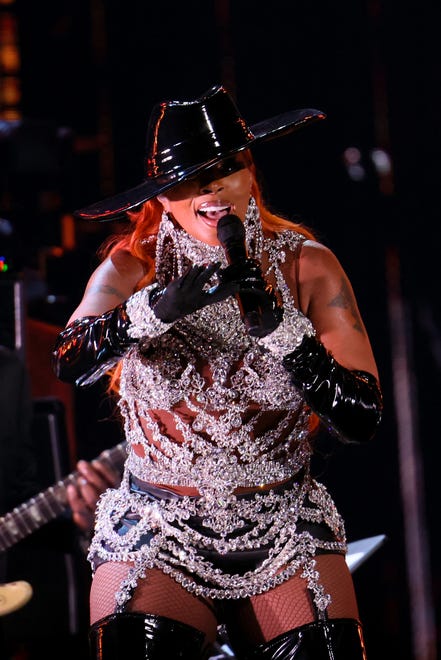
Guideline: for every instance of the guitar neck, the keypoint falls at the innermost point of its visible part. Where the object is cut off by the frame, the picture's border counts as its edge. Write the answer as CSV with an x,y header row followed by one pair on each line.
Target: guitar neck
x,y
28,517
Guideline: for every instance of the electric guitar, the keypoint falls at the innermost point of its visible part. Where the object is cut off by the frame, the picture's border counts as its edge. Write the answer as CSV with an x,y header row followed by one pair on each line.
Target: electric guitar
x,y
49,504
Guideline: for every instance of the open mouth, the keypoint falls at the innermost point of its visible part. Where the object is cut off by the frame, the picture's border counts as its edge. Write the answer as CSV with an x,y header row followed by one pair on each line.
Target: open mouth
x,y
213,211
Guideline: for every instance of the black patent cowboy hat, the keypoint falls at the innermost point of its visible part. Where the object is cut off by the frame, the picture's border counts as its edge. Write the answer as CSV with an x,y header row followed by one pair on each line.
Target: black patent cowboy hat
x,y
186,137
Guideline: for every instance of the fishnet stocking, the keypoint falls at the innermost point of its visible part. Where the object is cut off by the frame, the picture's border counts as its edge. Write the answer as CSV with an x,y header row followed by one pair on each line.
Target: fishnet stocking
x,y
289,605
254,621
157,594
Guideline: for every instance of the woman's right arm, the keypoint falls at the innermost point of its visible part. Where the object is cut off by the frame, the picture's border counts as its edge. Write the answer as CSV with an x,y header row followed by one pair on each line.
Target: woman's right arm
x,y
111,284
111,316
97,333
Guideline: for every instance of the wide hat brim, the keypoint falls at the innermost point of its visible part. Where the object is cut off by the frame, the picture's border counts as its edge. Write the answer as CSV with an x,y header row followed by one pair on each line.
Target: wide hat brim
x,y
116,207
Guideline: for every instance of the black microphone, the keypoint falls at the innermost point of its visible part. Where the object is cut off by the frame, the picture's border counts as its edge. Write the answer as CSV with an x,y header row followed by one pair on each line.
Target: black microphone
x,y
231,235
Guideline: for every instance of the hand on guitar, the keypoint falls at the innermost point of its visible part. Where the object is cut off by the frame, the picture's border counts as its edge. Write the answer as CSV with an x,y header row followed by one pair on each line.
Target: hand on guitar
x,y
85,485
93,479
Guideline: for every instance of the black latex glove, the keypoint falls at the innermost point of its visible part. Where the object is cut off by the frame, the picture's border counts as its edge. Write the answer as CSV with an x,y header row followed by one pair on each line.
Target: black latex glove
x,y
187,294
260,310
91,345
348,401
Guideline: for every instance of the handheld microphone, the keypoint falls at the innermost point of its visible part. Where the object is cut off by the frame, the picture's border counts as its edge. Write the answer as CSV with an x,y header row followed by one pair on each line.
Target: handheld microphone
x,y
231,235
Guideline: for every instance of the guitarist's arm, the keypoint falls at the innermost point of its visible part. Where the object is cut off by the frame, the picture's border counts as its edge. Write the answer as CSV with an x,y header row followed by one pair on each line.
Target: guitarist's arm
x,y
93,479
52,503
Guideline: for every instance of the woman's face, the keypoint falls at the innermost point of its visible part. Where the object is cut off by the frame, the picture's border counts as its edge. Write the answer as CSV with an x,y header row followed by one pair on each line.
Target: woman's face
x,y
198,203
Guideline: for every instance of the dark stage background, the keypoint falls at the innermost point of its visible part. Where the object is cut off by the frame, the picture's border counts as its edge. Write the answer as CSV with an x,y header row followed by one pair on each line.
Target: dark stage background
x,y
366,180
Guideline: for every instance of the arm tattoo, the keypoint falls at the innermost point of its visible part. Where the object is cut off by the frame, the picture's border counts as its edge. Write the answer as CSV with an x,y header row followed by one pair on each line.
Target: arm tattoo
x,y
108,290
345,300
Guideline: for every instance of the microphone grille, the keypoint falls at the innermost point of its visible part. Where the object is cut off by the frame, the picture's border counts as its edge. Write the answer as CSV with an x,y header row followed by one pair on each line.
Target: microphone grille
x,y
230,227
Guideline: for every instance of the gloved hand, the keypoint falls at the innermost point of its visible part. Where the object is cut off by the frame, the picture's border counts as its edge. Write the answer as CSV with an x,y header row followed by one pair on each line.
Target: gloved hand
x,y
186,294
260,310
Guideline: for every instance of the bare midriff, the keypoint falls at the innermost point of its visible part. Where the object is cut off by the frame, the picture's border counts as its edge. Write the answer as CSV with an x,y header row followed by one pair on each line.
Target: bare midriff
x,y
167,425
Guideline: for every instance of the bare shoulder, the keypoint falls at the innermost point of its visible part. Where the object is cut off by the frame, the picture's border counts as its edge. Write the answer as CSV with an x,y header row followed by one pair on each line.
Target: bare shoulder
x,y
316,257
322,279
127,265
110,284
319,267
121,271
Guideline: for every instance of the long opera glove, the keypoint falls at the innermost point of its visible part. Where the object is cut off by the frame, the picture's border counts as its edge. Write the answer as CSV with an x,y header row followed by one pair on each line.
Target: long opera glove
x,y
89,346
349,402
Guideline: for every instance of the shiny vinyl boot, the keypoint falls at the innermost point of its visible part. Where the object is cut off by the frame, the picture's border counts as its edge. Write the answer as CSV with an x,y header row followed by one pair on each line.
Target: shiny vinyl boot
x,y
138,636
335,639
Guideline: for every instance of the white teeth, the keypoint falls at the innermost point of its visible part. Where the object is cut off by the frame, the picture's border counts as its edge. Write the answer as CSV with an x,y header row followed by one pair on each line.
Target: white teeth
x,y
213,209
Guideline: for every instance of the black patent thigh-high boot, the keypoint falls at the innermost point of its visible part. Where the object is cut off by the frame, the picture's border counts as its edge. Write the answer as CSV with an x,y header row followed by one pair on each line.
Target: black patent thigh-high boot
x,y
138,636
334,639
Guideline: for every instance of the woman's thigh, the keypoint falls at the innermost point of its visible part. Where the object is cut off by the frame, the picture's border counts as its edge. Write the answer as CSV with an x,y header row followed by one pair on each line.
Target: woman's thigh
x,y
157,593
289,605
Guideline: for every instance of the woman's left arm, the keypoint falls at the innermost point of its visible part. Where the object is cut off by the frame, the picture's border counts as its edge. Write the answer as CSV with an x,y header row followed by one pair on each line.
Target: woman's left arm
x,y
333,363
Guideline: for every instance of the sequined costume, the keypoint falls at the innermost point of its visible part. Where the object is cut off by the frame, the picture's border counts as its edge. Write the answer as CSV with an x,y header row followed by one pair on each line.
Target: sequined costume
x,y
207,406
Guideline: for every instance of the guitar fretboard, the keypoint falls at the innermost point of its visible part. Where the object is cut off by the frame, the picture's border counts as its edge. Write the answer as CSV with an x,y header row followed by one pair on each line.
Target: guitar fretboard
x,y
49,504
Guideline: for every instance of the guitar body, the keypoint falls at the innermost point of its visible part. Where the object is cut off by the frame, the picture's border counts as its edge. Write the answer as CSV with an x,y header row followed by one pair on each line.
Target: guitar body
x,y
14,595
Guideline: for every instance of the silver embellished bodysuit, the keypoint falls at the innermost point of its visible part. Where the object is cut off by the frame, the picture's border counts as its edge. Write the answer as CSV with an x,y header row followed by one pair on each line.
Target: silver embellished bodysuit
x,y
205,406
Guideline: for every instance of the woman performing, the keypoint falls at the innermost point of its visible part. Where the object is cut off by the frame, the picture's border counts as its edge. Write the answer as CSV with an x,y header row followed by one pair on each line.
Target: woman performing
x,y
231,334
